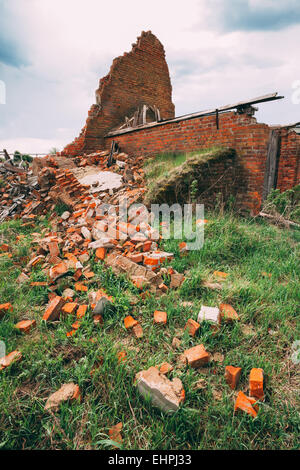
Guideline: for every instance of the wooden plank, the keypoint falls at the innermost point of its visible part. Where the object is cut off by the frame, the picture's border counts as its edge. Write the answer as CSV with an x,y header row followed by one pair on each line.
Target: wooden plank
x,y
271,171
260,99
7,157
144,120
279,219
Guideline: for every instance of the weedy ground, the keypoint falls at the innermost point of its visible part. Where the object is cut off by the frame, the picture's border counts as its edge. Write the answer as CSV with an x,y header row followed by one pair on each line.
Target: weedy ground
x,y
179,177
269,310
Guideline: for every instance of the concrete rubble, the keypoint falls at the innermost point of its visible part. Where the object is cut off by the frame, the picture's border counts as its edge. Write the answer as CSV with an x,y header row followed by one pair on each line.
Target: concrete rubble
x,y
210,314
163,393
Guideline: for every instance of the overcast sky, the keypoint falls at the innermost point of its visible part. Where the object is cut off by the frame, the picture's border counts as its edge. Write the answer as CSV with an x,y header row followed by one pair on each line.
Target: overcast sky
x,y
53,53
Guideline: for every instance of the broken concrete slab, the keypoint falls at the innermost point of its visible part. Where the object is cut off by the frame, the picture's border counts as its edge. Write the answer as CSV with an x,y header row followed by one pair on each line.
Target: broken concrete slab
x,y
103,307
68,293
106,179
104,242
65,215
211,314
163,393
86,233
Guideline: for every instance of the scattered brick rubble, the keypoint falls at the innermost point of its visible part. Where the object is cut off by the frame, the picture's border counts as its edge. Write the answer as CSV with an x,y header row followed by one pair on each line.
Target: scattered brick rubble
x,y
92,225
67,392
115,433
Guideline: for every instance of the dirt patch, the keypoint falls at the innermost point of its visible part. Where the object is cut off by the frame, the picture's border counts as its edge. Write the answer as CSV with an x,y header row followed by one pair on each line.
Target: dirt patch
x,y
28,388
68,353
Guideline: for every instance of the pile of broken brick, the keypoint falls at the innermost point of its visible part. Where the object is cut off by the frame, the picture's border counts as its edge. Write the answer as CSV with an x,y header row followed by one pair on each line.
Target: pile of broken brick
x,y
18,187
92,225
28,193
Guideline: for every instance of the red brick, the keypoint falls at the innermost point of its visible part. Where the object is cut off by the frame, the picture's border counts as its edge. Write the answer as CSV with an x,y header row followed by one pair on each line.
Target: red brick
x,y
25,325
228,314
256,383
53,248
232,376
69,308
54,308
6,361
129,322
79,287
100,253
192,326
82,309
245,404
5,308
160,317
196,356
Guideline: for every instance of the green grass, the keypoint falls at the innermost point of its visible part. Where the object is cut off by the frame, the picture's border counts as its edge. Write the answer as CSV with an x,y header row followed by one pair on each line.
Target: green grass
x,y
176,177
243,248
162,164
285,204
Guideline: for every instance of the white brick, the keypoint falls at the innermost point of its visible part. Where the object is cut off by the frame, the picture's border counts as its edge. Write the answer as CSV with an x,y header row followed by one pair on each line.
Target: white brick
x,y
211,314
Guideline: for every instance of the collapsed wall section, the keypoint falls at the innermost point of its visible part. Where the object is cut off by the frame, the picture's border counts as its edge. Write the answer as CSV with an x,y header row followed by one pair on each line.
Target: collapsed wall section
x,y
136,78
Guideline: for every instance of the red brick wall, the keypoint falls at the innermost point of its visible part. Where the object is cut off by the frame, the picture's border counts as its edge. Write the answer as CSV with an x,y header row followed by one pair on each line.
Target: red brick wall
x,y
241,132
138,77
289,162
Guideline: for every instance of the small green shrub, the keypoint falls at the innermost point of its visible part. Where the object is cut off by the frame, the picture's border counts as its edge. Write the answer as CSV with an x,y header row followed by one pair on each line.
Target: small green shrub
x,y
285,203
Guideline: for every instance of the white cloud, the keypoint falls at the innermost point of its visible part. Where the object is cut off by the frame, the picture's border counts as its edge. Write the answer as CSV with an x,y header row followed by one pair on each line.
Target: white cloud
x,y
31,145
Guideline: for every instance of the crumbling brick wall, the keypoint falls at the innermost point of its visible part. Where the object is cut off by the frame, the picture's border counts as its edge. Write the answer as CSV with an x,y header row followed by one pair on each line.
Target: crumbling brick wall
x,y
242,132
238,131
136,78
